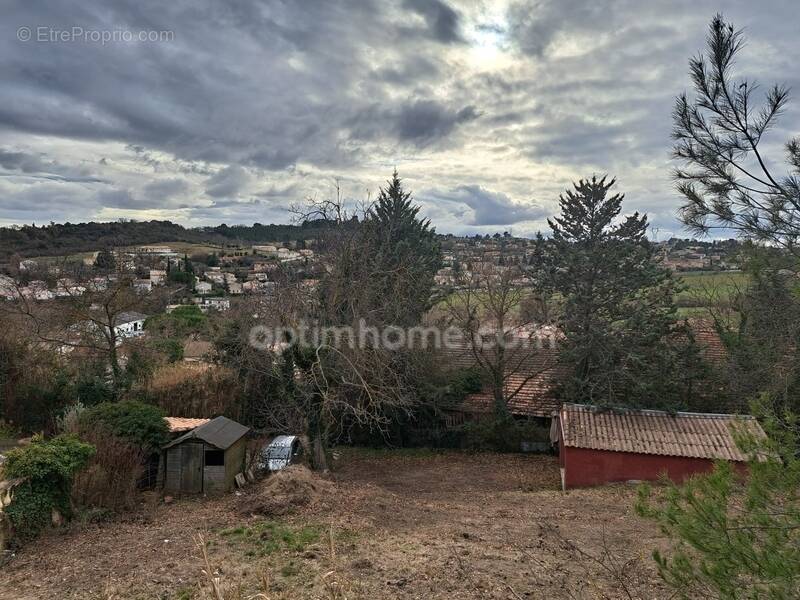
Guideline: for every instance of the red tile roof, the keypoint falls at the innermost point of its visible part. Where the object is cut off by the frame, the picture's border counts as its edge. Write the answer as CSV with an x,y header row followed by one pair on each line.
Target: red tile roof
x,y
711,347
531,378
177,424
694,435
539,374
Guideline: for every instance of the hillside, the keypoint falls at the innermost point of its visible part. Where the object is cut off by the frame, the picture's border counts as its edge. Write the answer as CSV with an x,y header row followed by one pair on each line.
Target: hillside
x,y
72,238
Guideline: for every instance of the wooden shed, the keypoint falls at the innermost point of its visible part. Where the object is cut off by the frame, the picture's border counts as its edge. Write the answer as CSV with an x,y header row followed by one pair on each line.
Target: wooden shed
x,y
205,459
598,446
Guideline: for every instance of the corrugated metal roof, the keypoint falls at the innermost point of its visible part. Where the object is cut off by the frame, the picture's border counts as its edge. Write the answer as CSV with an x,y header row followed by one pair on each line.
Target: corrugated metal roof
x,y
692,435
177,424
220,432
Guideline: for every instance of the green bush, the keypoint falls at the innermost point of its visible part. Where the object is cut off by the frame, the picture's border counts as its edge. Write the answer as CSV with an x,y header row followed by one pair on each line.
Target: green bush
x,y
181,277
48,467
91,390
171,347
182,321
142,425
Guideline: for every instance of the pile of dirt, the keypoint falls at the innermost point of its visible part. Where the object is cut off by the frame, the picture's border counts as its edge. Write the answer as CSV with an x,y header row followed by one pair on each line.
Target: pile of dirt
x,y
285,492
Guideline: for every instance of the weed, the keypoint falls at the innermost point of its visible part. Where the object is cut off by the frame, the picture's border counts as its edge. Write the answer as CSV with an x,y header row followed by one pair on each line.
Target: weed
x,y
268,537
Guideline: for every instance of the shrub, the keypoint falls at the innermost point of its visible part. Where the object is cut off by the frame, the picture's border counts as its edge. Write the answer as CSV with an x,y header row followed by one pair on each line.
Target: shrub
x,y
502,435
48,466
69,420
93,389
110,479
140,424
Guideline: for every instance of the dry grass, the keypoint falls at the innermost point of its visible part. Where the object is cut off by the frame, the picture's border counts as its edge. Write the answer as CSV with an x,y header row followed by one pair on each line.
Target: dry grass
x,y
110,479
192,390
443,525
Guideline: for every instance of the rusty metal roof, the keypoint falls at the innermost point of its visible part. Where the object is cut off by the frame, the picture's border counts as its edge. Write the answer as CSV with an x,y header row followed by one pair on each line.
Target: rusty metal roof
x,y
692,435
220,432
177,424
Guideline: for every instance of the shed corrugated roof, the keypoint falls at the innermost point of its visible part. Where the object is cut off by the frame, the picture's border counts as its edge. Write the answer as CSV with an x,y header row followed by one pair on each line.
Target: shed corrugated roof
x,y
691,435
220,432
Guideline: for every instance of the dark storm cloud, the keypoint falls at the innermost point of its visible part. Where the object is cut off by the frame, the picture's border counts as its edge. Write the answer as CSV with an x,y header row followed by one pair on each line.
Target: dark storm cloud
x,y
254,105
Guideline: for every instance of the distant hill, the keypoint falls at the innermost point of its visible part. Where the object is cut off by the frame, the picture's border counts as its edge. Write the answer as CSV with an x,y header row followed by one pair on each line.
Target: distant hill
x,y
72,238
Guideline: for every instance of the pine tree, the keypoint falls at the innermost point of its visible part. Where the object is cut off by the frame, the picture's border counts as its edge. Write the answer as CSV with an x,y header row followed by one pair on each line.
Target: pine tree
x,y
407,256
733,537
621,346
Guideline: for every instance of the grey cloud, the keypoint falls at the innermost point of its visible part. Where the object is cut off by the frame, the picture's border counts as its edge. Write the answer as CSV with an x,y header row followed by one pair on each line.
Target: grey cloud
x,y
227,182
419,122
427,120
443,21
166,188
37,166
488,207
295,94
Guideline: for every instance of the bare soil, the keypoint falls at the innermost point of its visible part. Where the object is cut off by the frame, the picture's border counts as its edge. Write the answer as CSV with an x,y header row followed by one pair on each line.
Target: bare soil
x,y
384,525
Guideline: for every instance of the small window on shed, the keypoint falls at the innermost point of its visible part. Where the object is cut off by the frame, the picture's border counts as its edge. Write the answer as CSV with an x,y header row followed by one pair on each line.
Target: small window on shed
x,y
215,458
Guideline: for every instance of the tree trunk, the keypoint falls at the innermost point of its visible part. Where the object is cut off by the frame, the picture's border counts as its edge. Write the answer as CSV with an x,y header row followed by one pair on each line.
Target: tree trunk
x,y
319,461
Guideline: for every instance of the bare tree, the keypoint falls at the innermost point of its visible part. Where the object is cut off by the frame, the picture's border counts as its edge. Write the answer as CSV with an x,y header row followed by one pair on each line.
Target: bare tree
x,y
86,316
332,379
506,344
727,181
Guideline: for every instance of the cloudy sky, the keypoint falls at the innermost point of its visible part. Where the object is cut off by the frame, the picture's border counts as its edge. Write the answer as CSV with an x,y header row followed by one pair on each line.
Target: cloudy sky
x,y
231,111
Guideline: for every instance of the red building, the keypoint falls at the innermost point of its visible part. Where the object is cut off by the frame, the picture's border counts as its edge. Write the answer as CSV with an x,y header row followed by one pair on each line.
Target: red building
x,y
598,446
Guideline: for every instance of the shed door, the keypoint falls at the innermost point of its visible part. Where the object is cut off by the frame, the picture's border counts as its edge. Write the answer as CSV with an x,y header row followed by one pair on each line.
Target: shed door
x,y
192,468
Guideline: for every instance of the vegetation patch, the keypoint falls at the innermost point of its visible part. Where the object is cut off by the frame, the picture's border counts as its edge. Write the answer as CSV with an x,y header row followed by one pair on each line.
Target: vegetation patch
x,y
47,466
268,537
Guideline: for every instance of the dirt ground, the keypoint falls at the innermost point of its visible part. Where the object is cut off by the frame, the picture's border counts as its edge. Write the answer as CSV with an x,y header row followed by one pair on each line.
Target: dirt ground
x,y
387,525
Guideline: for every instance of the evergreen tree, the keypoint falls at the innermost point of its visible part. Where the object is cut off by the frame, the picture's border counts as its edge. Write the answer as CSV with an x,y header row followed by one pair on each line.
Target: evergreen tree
x,y
622,346
406,257
733,537
105,260
188,267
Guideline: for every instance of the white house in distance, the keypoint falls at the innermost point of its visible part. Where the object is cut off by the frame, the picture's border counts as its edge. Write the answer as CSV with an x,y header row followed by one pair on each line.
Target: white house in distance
x,y
158,276
129,324
214,303
203,287
143,286
8,288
